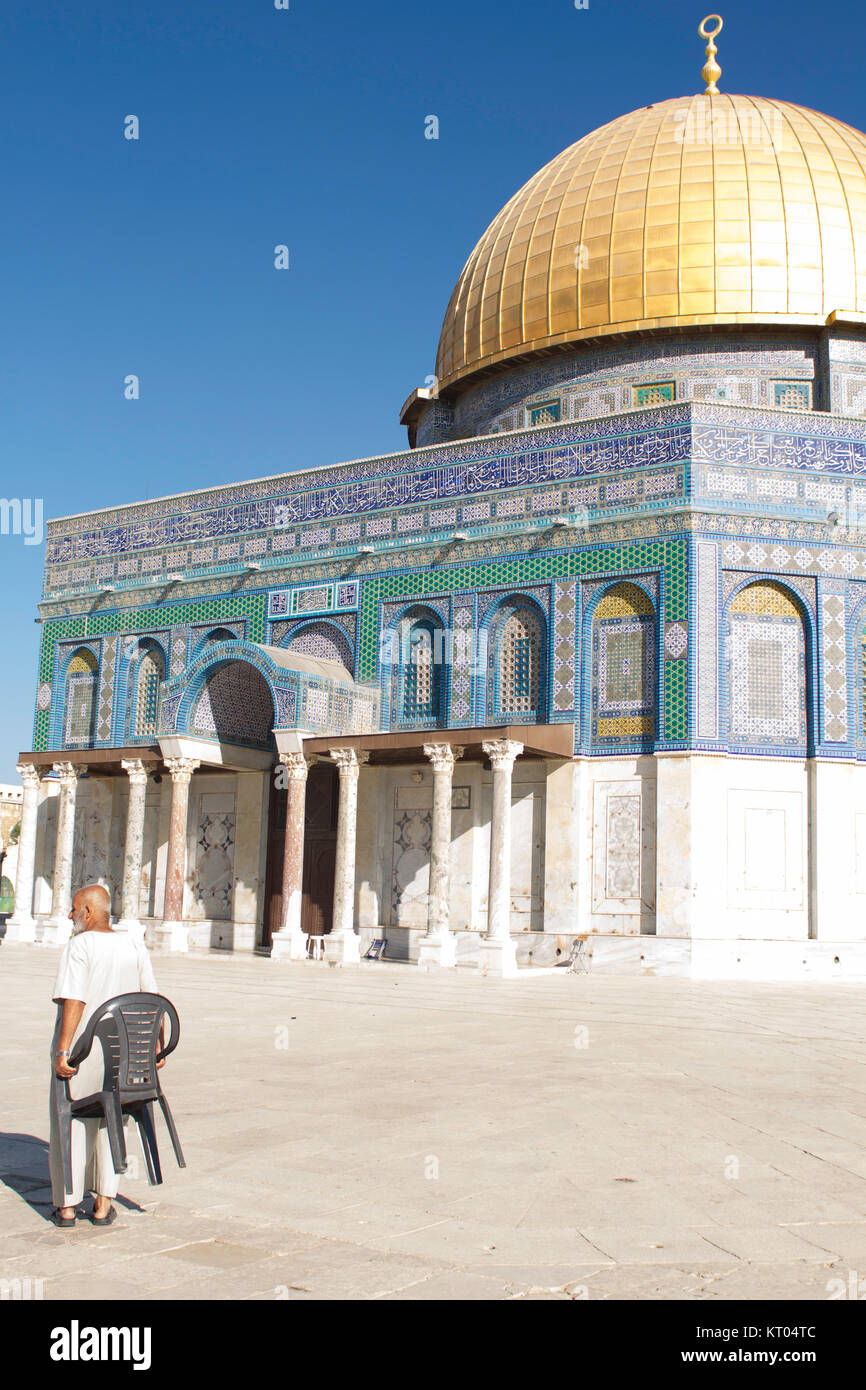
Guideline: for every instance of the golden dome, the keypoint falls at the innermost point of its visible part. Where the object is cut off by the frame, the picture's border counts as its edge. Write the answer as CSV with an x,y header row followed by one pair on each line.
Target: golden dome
x,y
699,210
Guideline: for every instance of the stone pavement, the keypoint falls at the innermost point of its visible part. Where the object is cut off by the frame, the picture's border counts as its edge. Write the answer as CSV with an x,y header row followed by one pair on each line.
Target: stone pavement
x,y
375,1132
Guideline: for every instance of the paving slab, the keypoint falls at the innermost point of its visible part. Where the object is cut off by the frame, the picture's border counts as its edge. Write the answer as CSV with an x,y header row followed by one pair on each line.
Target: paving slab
x,y
386,1134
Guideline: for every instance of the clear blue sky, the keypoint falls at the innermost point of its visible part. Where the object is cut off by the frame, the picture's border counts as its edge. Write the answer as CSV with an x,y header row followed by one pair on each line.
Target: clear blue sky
x,y
306,127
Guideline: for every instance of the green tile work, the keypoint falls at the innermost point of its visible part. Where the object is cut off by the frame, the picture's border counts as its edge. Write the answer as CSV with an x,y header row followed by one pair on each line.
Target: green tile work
x,y
667,556
253,607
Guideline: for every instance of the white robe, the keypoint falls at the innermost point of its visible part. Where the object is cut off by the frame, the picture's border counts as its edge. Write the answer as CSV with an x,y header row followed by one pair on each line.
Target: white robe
x,y
94,966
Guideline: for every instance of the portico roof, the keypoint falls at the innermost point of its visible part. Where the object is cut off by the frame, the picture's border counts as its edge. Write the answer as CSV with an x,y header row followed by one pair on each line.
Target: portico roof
x,y
539,741
102,762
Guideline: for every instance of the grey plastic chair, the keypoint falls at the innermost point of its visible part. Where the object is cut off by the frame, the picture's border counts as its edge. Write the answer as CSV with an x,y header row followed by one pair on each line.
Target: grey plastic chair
x,y
128,1028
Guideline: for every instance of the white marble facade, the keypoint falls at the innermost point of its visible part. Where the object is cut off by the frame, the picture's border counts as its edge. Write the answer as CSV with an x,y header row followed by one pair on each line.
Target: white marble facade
x,y
682,863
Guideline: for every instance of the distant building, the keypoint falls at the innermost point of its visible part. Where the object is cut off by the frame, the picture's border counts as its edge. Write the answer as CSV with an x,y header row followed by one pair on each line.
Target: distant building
x,y
11,801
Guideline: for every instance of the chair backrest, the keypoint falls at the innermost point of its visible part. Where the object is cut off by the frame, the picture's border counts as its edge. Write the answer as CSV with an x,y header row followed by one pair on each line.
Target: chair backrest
x,y
128,1028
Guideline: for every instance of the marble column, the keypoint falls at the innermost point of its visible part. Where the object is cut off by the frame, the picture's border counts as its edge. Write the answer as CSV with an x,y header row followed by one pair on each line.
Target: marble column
x,y
498,953
341,944
172,935
439,946
138,773
22,924
289,943
58,928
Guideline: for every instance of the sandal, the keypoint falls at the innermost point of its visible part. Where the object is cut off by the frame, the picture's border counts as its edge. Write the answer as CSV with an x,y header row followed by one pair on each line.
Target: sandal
x,y
67,1222
106,1220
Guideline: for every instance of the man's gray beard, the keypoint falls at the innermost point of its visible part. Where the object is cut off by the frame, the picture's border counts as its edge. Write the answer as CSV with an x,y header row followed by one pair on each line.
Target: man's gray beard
x,y
78,924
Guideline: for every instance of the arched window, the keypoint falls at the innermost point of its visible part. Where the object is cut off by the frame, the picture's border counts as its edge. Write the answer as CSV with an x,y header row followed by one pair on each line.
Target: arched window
x,y
420,683
766,667
417,680
82,678
150,674
623,667
518,653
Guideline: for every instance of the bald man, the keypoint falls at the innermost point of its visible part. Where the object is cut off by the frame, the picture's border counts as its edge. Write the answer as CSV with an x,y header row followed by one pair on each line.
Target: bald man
x,y
97,963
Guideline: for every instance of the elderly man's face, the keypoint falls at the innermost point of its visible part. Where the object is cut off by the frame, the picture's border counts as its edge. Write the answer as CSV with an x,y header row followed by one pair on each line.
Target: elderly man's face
x,y
79,915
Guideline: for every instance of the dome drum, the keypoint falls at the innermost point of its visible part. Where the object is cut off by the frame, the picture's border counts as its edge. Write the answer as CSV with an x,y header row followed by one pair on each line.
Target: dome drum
x,y
769,369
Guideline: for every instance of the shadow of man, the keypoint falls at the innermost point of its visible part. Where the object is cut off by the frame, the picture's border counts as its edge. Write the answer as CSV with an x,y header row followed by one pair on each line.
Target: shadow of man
x,y
24,1170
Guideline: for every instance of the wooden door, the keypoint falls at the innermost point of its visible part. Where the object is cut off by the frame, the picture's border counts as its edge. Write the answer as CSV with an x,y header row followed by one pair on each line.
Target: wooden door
x,y
320,850
320,854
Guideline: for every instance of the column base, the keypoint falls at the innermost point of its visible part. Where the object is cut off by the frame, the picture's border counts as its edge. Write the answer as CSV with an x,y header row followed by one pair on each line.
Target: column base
x,y
498,958
56,931
343,949
171,936
21,928
288,946
131,925
437,951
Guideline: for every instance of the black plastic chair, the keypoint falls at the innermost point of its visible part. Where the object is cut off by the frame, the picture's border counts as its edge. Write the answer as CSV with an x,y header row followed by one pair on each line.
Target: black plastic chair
x,y
128,1027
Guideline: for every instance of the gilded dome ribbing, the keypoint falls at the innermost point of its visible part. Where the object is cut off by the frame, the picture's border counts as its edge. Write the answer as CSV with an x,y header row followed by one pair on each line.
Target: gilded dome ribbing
x,y
698,210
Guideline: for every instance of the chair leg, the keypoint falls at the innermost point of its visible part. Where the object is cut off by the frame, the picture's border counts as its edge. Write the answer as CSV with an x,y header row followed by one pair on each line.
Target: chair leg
x,y
135,1113
64,1132
153,1177
114,1122
173,1135
148,1130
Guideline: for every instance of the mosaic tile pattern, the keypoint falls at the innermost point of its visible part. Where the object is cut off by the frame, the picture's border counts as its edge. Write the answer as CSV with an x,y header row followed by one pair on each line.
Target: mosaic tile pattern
x,y
765,483
598,383
463,661
766,667
105,707
623,666
668,555
325,641
564,688
179,648
706,673
235,706
834,663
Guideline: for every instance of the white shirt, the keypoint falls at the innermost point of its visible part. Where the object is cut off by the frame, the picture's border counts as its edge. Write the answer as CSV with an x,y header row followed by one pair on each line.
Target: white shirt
x,y
95,966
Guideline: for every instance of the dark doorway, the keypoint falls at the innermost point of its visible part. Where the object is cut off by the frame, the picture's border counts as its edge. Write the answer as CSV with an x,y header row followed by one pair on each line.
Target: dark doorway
x,y
320,854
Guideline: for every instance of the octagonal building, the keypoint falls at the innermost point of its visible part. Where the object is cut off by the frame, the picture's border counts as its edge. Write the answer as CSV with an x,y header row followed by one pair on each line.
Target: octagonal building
x,y
581,671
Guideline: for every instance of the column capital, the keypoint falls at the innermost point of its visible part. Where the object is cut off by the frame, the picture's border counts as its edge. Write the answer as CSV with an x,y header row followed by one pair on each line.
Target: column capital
x,y
502,753
69,773
349,760
296,765
181,769
443,755
29,773
138,770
